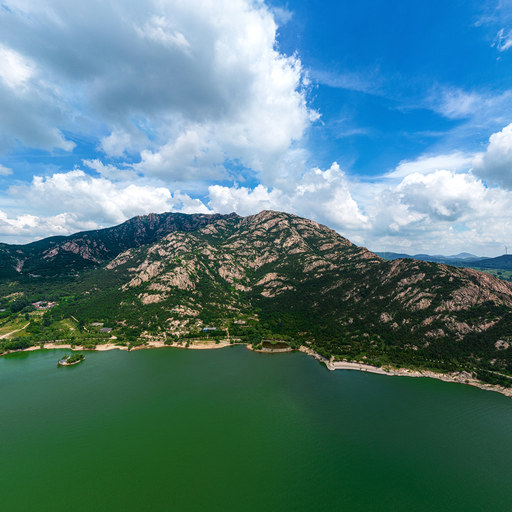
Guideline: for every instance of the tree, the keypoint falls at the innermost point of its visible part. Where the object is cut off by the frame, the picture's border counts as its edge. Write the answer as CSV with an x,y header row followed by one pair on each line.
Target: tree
x,y
18,304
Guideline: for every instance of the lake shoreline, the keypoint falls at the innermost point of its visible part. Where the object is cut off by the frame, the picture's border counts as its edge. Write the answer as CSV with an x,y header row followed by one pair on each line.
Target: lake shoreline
x,y
455,377
330,364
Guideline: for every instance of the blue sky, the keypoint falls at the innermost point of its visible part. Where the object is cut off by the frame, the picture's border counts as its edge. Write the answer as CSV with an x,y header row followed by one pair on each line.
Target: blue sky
x,y
390,122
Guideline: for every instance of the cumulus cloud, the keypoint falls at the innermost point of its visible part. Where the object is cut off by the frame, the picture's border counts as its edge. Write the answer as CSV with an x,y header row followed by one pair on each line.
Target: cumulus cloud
x,y
26,227
442,211
446,210
75,200
441,196
432,210
193,155
191,93
321,195
244,200
187,84
116,144
495,164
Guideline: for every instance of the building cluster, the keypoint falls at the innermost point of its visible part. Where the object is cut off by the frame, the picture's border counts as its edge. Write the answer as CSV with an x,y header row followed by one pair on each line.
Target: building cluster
x,y
43,304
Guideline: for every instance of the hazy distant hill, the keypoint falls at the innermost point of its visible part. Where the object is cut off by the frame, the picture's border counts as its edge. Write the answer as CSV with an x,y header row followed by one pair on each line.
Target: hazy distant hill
x,y
436,258
501,262
463,259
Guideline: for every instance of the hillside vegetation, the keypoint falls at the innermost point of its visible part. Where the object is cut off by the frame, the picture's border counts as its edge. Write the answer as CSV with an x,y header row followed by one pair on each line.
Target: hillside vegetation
x,y
271,277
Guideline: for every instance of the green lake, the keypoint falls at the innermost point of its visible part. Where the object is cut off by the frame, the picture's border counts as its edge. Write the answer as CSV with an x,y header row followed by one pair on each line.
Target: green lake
x,y
229,429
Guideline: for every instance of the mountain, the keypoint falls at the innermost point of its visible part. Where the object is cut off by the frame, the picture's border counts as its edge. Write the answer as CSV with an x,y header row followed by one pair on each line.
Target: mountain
x,y
464,259
463,256
503,262
457,259
394,255
276,276
60,255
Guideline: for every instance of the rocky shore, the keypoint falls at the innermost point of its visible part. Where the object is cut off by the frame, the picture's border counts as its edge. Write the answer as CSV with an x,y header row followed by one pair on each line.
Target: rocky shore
x,y
457,377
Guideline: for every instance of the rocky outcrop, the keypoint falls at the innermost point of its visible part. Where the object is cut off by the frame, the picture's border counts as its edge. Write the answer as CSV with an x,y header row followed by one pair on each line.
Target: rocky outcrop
x,y
82,251
272,255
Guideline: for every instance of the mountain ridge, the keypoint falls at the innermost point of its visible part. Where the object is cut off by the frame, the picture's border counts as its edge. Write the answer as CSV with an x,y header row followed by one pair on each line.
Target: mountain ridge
x,y
503,262
277,276
87,249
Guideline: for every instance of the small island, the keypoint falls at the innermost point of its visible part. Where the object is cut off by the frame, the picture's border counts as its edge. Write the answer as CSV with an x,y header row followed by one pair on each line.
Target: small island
x,y
71,360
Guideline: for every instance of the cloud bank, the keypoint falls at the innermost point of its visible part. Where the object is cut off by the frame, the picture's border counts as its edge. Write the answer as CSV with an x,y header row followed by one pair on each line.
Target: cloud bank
x,y
181,86
193,107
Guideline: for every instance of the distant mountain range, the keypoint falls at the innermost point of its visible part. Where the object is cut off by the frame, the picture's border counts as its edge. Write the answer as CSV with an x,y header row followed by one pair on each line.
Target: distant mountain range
x,y
464,259
270,276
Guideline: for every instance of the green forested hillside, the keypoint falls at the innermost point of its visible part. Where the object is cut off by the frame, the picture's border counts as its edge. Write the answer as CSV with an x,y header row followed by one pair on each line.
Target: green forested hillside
x,y
276,277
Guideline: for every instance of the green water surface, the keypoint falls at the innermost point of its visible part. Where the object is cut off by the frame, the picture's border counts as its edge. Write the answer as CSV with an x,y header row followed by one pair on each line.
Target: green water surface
x,y
229,429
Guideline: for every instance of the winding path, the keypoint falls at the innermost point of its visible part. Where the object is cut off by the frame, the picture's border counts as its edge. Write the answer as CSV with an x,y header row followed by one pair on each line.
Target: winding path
x,y
12,332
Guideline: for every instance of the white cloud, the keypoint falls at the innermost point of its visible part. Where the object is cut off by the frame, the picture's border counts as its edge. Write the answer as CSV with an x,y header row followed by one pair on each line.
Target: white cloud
x,y
116,144
455,103
5,171
441,212
476,112
433,210
159,78
479,108
161,30
244,200
495,164
426,164
94,198
26,227
65,202
440,195
282,15
15,70
321,195
503,41
370,82
110,171
30,110
193,155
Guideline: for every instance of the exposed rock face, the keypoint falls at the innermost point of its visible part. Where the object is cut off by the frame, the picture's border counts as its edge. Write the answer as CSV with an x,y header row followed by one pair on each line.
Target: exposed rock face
x,y
62,255
237,250
80,247
271,259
